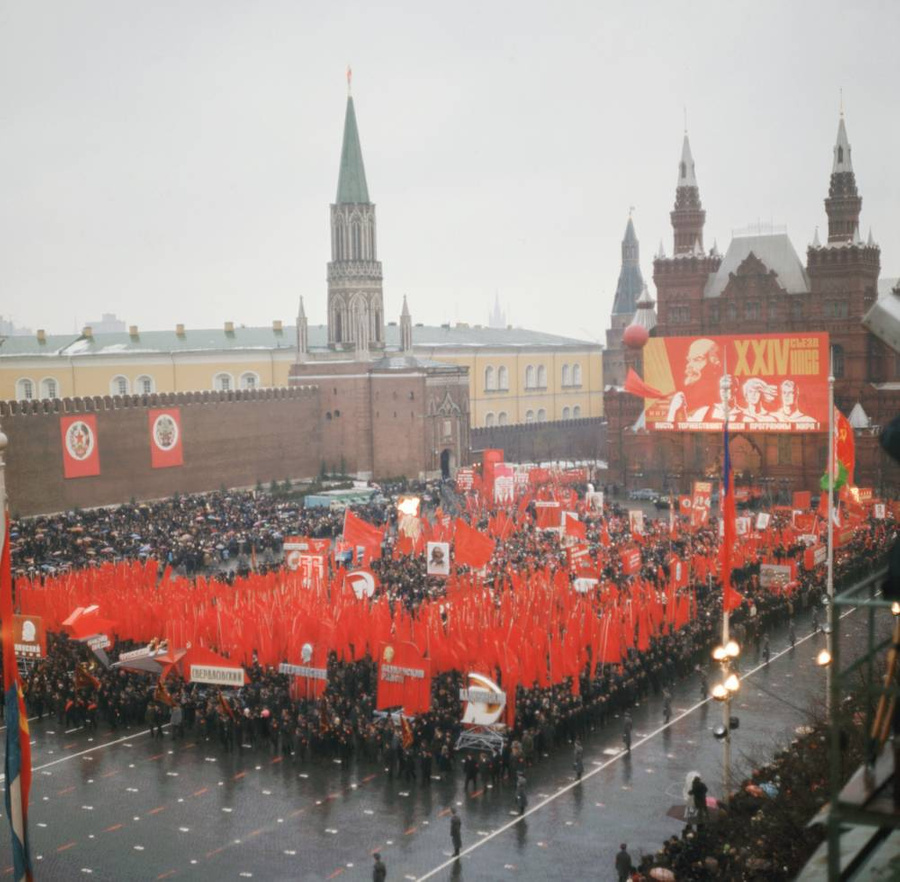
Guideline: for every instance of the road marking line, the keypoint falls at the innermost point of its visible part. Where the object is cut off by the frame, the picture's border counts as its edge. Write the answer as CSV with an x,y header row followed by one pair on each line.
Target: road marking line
x,y
65,847
643,740
3,729
114,827
157,810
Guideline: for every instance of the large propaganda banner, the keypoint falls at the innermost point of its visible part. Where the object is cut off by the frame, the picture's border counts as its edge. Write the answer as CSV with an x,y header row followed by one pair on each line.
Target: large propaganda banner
x,y
404,678
165,438
81,451
779,383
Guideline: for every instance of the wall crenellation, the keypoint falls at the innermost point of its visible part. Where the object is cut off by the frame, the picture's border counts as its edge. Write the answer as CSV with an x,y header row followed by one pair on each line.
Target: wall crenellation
x,y
100,403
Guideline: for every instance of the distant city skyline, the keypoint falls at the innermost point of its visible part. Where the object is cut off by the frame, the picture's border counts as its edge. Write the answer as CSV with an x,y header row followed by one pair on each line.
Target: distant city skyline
x,y
179,168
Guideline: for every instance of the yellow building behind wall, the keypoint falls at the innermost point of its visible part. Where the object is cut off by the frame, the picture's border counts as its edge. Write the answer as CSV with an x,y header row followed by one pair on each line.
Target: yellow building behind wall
x,y
515,375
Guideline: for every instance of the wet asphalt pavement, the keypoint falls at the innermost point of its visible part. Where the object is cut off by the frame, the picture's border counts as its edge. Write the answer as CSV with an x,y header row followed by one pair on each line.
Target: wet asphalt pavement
x,y
122,806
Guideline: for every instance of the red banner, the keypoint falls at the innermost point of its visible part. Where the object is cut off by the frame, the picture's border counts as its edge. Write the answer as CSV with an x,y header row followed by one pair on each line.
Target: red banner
x,y
700,503
165,438
631,561
814,556
81,451
29,636
404,678
802,500
779,383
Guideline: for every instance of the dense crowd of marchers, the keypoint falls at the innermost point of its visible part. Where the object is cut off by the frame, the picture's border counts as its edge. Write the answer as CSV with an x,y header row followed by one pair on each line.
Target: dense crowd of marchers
x,y
342,723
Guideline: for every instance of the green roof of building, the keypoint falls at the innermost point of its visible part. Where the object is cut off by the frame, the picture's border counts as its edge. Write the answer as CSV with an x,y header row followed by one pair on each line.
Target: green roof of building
x,y
352,178
432,337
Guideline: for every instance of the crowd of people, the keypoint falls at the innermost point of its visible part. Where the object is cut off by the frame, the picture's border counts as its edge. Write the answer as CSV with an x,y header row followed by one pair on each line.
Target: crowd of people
x,y
271,713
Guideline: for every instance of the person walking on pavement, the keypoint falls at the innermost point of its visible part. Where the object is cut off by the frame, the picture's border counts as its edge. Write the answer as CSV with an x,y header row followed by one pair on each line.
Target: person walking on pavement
x,y
455,831
578,763
379,870
792,634
704,685
623,863
667,705
767,654
521,795
626,732
698,791
815,620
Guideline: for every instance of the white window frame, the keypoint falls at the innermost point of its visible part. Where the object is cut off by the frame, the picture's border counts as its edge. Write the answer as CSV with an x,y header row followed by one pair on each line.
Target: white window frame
x,y
45,391
576,375
25,387
529,417
567,413
115,385
541,415
565,375
219,378
542,377
529,377
489,380
576,412
244,378
503,378
490,420
139,384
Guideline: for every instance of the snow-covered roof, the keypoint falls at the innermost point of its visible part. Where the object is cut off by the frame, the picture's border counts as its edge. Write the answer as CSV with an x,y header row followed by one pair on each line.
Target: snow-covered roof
x,y
774,250
858,418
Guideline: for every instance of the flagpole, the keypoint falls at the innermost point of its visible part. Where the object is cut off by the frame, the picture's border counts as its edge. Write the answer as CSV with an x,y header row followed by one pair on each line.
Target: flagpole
x,y
829,582
725,385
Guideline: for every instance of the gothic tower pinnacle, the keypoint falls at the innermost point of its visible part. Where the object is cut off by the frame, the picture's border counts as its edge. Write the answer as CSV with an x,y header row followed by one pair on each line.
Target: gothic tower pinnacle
x,y
631,282
844,203
406,335
355,298
302,331
688,216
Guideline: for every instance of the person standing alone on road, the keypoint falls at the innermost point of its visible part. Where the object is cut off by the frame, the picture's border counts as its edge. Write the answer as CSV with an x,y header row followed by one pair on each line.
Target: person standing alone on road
x,y
623,863
578,763
455,831
626,732
379,870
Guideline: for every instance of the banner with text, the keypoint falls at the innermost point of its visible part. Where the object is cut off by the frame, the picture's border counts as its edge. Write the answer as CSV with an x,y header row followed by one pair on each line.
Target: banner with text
x,y
779,383
404,678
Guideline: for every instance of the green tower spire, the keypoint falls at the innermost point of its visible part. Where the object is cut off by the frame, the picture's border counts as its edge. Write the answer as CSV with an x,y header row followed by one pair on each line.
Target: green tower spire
x,y
352,179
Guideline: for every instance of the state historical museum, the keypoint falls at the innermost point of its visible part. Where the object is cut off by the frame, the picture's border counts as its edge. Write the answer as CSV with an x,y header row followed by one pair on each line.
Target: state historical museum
x,y
761,286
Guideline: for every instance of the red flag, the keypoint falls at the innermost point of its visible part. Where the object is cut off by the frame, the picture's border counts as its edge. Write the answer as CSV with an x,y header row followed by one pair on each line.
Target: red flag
x,y
731,599
634,385
18,739
363,538
407,736
470,547
575,527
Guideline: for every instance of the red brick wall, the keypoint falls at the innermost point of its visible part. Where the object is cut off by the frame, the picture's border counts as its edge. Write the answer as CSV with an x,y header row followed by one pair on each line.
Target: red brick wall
x,y
230,439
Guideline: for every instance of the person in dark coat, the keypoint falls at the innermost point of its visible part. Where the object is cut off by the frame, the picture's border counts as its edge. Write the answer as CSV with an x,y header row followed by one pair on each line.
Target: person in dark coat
x,y
698,791
455,831
578,760
623,863
379,870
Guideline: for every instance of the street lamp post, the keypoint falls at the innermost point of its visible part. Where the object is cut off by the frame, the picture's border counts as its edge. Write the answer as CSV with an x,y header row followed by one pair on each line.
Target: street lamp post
x,y
724,693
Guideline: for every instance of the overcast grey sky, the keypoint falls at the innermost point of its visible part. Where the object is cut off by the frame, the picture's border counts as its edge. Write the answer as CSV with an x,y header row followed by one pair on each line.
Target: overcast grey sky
x,y
174,161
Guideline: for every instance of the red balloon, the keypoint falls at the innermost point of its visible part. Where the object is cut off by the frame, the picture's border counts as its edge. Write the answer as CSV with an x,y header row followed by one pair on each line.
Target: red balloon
x,y
635,336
